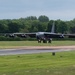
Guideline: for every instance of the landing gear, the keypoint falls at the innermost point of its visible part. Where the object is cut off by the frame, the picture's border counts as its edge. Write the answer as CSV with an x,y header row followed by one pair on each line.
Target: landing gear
x,y
44,40
50,40
39,41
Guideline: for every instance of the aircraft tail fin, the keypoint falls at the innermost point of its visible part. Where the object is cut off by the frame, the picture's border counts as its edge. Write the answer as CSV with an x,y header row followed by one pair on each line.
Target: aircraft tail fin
x,y
53,28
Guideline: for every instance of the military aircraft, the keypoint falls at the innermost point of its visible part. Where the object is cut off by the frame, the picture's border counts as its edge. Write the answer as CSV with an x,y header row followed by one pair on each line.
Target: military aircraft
x,y
40,36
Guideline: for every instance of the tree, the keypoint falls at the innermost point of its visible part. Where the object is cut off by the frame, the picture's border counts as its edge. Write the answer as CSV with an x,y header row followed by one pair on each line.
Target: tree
x,y
31,18
43,18
72,29
3,26
32,24
62,27
13,27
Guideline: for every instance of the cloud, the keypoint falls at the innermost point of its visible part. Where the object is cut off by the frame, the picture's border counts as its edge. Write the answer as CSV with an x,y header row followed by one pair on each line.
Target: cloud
x,y
63,15
54,9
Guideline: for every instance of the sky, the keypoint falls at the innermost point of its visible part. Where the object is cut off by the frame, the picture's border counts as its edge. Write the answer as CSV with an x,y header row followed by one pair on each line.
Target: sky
x,y
54,9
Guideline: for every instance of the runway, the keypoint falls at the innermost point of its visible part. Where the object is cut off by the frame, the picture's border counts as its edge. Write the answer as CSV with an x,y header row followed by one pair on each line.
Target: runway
x,y
29,51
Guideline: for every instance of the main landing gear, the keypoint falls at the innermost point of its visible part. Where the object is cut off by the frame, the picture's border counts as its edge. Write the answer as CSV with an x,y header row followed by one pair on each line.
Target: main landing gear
x,y
39,40
45,40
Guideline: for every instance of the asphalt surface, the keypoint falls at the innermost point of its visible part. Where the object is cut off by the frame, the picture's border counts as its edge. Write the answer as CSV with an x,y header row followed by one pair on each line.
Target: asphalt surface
x,y
30,51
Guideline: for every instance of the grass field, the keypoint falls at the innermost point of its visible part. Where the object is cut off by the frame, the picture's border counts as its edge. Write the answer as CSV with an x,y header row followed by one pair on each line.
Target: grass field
x,y
63,63
13,44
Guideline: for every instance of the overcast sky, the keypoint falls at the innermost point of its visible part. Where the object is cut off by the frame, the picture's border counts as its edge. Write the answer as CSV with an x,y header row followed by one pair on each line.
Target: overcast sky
x,y
54,9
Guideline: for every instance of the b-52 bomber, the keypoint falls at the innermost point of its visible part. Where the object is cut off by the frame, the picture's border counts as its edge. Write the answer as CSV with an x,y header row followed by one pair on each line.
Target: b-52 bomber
x,y
40,36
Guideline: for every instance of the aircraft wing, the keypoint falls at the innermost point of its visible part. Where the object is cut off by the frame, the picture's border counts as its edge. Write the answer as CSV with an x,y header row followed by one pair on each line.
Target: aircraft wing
x,y
53,35
32,35
70,35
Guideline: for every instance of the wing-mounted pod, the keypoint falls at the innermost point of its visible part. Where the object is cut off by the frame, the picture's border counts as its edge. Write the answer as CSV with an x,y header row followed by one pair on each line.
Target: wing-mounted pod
x,y
70,35
22,35
9,35
53,35
62,36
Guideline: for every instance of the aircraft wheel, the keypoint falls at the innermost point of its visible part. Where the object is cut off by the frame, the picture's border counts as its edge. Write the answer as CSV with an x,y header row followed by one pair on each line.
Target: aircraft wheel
x,y
39,41
50,40
44,41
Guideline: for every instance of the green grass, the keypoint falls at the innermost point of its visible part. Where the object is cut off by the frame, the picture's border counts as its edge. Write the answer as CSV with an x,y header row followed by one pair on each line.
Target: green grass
x,y
12,44
63,63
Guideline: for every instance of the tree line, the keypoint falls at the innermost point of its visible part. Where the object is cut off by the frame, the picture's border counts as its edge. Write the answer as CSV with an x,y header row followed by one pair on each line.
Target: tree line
x,y
34,24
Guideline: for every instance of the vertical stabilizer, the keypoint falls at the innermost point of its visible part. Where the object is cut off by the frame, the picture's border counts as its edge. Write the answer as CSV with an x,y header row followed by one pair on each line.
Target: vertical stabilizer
x,y
53,28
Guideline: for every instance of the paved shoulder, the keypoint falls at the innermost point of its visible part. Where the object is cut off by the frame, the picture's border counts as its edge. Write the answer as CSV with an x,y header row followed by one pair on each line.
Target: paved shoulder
x,y
24,51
